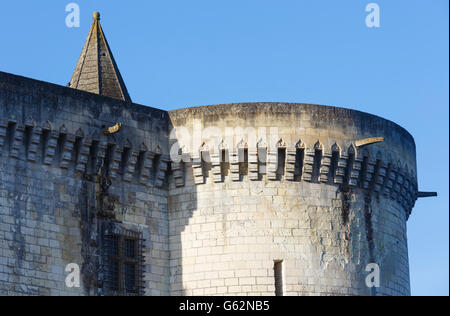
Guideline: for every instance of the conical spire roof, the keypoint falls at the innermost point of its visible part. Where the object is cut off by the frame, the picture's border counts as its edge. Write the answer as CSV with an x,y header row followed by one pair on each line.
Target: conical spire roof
x,y
96,70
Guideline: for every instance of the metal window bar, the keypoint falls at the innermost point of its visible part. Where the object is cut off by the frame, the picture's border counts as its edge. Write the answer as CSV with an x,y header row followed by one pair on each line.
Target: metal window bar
x,y
124,263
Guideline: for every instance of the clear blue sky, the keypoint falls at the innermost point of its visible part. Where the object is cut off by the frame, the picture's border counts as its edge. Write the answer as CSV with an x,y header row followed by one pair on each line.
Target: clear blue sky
x,y
178,53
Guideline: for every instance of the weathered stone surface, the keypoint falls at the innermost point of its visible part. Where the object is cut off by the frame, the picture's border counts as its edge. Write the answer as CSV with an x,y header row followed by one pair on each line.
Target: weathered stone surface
x,y
301,194
49,181
321,212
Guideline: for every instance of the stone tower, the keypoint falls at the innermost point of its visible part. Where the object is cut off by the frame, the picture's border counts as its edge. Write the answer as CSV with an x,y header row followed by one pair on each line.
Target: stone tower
x,y
96,70
241,199
302,196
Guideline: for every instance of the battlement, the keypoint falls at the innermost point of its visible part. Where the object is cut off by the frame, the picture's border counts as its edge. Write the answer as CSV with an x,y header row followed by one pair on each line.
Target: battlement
x,y
330,166
124,162
302,153
83,155
60,127
295,143
211,192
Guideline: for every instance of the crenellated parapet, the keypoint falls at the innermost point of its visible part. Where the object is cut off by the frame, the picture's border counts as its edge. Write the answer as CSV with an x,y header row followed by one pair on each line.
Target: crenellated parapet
x,y
83,154
354,167
281,142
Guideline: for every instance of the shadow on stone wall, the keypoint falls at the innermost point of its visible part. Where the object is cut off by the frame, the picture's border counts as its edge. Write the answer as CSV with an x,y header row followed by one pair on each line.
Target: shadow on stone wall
x,y
182,202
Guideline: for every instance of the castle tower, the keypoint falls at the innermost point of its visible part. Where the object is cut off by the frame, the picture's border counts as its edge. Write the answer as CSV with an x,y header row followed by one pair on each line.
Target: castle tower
x,y
290,199
236,199
96,70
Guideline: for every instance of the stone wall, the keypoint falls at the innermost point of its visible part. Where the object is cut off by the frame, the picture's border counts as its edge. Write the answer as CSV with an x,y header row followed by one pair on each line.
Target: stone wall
x,y
229,242
285,182
53,158
250,186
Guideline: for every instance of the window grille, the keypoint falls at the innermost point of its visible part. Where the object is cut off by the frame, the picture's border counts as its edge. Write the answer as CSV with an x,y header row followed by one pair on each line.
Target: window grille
x,y
123,263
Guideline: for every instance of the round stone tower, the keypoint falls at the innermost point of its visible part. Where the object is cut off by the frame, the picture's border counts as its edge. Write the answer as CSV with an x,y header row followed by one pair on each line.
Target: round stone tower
x,y
289,199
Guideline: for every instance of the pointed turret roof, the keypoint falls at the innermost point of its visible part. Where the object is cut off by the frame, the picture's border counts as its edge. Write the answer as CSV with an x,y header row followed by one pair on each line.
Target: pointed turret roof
x,y
96,70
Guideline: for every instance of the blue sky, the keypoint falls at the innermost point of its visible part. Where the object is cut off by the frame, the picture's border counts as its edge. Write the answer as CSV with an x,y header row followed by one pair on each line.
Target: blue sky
x,y
178,53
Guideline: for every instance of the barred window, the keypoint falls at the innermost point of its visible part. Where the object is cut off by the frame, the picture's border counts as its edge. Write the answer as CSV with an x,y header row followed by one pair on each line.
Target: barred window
x,y
124,264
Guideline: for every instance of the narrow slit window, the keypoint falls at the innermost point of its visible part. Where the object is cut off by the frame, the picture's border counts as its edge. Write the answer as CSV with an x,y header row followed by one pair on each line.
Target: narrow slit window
x,y
278,273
